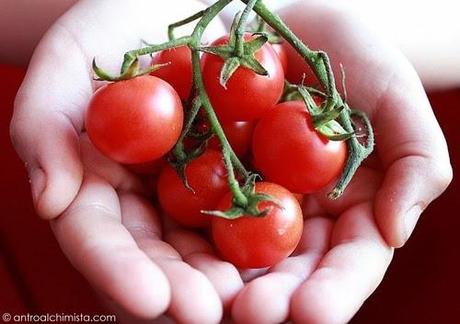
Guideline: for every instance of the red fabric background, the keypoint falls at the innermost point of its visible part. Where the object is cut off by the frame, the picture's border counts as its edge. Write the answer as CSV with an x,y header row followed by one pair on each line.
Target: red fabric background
x,y
420,287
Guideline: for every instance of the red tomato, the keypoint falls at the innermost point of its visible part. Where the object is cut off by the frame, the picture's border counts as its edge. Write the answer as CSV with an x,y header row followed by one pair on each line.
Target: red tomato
x,y
289,151
208,178
135,121
280,49
298,70
247,96
239,134
257,242
179,72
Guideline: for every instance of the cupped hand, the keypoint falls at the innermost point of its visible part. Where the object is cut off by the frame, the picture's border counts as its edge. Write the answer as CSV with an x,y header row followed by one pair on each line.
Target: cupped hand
x,y
97,210
113,236
348,243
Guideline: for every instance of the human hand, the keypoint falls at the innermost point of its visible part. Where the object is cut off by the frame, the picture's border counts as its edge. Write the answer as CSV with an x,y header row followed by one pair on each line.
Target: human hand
x,y
327,268
348,244
109,232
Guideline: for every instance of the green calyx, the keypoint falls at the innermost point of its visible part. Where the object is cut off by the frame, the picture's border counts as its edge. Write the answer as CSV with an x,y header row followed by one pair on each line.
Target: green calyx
x,y
180,164
132,71
325,117
251,208
239,52
233,61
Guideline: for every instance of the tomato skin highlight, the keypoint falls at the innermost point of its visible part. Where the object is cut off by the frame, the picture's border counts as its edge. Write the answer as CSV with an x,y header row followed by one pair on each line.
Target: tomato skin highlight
x,y
288,150
239,135
257,242
247,96
136,120
179,72
208,178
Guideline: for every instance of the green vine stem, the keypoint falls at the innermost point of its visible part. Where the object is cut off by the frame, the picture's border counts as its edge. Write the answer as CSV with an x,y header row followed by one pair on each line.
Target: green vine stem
x,y
357,151
240,29
131,56
183,22
179,150
229,156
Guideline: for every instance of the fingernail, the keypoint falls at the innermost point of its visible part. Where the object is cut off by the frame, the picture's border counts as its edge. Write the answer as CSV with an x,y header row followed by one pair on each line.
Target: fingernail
x,y
37,181
411,219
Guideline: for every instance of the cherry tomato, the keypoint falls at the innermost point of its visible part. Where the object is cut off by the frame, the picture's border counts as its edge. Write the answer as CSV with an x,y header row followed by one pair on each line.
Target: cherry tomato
x,y
280,49
298,70
239,135
208,178
257,242
247,96
288,150
136,120
179,72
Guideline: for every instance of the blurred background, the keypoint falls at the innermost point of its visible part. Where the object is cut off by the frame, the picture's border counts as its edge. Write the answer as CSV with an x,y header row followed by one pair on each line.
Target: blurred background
x,y
421,285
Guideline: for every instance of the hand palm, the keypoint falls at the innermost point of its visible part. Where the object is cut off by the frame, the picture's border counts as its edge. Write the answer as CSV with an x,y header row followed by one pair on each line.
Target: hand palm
x,y
112,235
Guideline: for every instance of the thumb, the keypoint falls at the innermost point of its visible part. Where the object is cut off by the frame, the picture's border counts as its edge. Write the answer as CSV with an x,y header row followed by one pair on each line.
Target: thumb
x,y
48,144
45,127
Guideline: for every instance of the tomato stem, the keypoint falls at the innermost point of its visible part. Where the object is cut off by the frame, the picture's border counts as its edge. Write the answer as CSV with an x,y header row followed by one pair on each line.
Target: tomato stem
x,y
179,150
230,157
131,56
358,152
239,32
183,22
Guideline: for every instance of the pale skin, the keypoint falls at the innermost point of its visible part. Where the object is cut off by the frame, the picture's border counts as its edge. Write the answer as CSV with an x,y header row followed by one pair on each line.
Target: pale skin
x,y
112,235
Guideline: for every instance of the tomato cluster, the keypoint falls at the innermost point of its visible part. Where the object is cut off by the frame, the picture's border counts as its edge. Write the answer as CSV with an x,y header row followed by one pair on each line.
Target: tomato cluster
x,y
138,121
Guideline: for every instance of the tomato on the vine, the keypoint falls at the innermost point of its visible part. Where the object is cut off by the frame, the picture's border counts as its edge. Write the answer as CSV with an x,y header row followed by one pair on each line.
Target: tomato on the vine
x,y
179,71
257,242
206,176
239,135
136,120
289,151
247,95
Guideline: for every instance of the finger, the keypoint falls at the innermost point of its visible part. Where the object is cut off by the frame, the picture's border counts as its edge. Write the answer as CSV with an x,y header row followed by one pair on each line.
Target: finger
x,y
190,289
48,145
416,161
267,298
46,123
250,274
91,235
197,252
347,274
194,300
